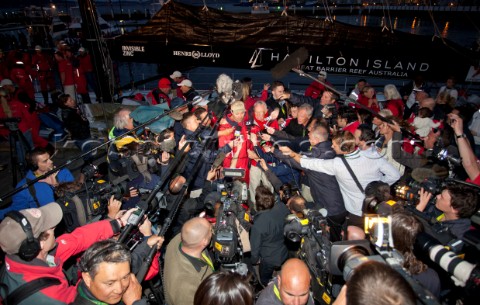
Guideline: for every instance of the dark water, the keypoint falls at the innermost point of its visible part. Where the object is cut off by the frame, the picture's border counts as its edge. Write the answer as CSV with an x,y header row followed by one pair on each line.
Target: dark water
x,y
462,28
459,27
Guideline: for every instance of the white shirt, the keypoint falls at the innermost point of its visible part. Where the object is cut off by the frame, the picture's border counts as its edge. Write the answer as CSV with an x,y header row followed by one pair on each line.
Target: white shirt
x,y
452,92
368,166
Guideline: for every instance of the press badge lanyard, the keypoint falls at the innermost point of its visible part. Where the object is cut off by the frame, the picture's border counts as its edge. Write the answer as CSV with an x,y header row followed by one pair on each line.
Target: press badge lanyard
x,y
277,293
208,261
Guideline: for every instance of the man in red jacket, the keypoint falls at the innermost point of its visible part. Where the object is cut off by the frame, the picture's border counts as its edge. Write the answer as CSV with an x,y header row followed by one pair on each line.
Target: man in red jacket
x,y
27,237
42,65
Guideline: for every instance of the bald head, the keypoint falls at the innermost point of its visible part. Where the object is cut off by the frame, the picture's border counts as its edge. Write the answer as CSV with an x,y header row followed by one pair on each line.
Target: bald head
x,y
176,184
196,233
294,282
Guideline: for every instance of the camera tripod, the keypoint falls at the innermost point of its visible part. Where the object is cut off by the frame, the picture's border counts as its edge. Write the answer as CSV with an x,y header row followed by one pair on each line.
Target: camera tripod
x,y
19,146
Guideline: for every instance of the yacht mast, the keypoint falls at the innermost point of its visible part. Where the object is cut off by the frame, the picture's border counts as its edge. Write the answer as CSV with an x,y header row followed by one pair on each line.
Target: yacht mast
x,y
97,46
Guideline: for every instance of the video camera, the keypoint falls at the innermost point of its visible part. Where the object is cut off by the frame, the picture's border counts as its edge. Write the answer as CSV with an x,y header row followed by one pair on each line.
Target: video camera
x,y
441,153
410,191
298,226
98,191
232,220
288,191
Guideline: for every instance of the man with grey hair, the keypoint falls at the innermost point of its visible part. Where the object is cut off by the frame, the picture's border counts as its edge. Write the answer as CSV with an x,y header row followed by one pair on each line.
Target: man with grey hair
x,y
120,164
258,124
296,128
122,124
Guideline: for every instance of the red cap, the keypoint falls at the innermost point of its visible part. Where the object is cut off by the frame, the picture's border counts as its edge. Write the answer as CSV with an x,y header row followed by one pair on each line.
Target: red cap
x,y
164,83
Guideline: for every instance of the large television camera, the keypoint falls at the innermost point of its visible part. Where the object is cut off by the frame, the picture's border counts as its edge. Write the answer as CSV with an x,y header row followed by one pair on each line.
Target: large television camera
x,y
233,222
309,221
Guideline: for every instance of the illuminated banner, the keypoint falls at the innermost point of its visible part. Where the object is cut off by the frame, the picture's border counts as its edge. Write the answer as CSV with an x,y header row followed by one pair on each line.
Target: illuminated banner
x,y
374,66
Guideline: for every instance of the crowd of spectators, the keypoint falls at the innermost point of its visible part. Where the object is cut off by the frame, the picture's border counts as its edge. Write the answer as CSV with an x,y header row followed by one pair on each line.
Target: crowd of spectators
x,y
325,147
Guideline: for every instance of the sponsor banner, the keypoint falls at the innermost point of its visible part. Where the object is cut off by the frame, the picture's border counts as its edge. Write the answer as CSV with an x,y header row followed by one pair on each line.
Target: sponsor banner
x,y
195,54
365,63
132,50
370,65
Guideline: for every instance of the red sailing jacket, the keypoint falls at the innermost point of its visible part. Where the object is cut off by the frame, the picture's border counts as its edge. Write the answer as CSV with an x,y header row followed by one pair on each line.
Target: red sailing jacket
x,y
68,245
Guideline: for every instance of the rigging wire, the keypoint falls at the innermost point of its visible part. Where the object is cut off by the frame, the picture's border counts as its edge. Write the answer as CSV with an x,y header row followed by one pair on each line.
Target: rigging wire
x,y
328,15
207,20
386,27
437,32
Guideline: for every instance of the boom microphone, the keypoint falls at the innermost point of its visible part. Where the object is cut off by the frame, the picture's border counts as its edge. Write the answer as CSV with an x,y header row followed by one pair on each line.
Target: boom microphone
x,y
292,61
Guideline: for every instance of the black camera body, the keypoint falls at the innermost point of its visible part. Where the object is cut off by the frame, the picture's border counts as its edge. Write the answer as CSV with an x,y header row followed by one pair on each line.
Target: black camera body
x,y
288,191
410,191
98,194
228,247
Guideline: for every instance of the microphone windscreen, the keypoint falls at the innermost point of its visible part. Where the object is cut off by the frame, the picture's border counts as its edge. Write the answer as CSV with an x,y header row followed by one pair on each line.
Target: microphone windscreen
x,y
292,61
420,174
168,145
219,159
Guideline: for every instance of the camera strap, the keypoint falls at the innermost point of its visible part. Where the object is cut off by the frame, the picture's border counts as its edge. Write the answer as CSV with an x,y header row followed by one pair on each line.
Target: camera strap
x,y
33,192
352,174
26,290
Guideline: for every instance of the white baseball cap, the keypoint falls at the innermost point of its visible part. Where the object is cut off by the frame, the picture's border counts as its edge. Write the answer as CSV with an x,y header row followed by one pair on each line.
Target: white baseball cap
x,y
185,82
176,74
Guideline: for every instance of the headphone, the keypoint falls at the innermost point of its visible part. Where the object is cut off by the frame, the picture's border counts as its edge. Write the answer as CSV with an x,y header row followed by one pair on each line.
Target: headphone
x,y
30,247
345,147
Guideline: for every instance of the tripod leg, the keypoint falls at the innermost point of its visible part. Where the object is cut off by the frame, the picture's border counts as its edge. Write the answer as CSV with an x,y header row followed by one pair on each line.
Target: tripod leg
x,y
25,147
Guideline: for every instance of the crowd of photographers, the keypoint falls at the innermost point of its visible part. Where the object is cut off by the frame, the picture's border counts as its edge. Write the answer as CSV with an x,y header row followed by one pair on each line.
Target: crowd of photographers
x,y
235,199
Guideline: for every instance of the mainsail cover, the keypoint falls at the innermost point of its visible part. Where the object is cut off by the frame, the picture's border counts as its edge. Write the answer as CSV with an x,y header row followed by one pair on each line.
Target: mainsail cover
x,y
193,36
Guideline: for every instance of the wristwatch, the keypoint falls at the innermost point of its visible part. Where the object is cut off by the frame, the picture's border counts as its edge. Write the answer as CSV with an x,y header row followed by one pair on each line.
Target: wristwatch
x,y
461,136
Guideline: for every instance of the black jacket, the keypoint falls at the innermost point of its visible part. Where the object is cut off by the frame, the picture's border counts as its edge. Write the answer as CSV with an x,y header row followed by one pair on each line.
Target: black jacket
x,y
272,104
324,188
77,126
296,130
209,155
266,235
